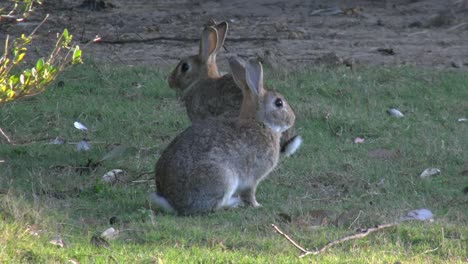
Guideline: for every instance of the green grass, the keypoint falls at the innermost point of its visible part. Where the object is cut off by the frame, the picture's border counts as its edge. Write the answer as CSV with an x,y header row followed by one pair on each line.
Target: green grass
x,y
50,187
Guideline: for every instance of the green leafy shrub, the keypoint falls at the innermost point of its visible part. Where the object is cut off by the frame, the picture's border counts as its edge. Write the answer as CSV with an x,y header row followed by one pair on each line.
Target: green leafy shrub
x,y
15,82
32,81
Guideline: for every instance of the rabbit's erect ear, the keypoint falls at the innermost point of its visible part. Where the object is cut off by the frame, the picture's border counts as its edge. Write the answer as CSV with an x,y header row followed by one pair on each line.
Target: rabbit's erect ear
x,y
237,66
222,29
208,43
254,76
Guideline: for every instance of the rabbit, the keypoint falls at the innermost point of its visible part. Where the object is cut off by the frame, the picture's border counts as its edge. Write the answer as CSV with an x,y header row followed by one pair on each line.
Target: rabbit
x,y
196,78
217,163
206,93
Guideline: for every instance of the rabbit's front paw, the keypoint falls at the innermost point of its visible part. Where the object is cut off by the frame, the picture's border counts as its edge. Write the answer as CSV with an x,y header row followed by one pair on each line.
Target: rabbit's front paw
x,y
257,205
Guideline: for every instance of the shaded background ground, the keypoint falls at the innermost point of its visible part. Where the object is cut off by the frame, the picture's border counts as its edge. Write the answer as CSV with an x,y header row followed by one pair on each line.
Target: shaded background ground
x,y
284,33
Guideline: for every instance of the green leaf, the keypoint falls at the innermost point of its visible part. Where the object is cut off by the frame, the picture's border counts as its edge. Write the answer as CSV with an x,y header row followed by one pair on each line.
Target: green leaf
x,y
65,34
19,58
39,64
76,58
10,94
13,79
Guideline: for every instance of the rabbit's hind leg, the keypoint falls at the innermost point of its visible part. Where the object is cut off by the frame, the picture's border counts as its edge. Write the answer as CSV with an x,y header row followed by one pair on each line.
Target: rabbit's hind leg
x,y
211,187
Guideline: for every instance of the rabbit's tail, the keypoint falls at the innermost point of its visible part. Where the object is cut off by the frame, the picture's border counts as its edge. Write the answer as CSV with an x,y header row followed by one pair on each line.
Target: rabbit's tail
x,y
160,202
291,146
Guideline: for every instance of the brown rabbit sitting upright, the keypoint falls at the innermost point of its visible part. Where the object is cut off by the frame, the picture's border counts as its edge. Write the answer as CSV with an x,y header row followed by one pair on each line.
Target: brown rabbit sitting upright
x,y
218,163
206,93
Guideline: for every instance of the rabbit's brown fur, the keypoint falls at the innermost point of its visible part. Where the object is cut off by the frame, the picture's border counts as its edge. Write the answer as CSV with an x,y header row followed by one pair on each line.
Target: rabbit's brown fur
x,y
206,93
218,163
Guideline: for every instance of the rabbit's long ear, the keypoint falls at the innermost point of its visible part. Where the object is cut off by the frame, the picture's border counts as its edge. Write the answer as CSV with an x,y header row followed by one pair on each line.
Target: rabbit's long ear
x,y
222,29
254,76
237,66
208,43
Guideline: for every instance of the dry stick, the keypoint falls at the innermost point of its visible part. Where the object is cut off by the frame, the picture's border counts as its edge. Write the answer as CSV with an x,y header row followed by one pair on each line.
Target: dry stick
x,y
361,234
38,26
457,26
6,136
126,41
303,250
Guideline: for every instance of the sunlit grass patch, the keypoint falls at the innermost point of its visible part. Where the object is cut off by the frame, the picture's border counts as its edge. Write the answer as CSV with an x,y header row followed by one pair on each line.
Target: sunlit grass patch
x,y
327,190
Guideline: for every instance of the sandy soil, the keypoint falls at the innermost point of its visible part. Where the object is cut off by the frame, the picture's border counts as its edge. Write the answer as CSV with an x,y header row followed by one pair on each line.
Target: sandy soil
x,y
283,33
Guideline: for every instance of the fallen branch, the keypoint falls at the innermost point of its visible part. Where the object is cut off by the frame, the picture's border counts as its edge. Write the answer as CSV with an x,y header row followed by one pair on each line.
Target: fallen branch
x,y
181,39
360,234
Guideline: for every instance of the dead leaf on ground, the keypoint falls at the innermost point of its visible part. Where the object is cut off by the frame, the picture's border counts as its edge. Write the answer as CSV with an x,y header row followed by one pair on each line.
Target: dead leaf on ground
x,y
57,242
113,176
384,154
33,230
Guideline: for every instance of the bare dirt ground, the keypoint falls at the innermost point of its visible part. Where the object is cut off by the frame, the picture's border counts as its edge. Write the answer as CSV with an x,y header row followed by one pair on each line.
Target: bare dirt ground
x,y
283,33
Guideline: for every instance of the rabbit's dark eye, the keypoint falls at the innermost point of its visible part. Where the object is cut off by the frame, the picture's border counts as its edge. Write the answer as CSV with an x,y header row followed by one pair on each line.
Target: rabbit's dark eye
x,y
279,102
185,67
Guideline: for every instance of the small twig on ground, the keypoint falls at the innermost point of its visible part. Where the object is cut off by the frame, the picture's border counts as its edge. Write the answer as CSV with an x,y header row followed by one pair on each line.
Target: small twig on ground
x,y
430,250
457,26
417,33
38,26
10,19
303,250
357,217
361,233
135,180
6,136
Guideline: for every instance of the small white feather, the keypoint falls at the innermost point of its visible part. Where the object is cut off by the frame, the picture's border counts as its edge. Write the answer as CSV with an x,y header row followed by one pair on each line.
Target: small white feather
x,y
80,126
429,172
395,112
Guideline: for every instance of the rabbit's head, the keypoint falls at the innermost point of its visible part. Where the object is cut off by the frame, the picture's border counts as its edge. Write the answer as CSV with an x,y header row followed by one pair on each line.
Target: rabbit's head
x,y
193,68
266,106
